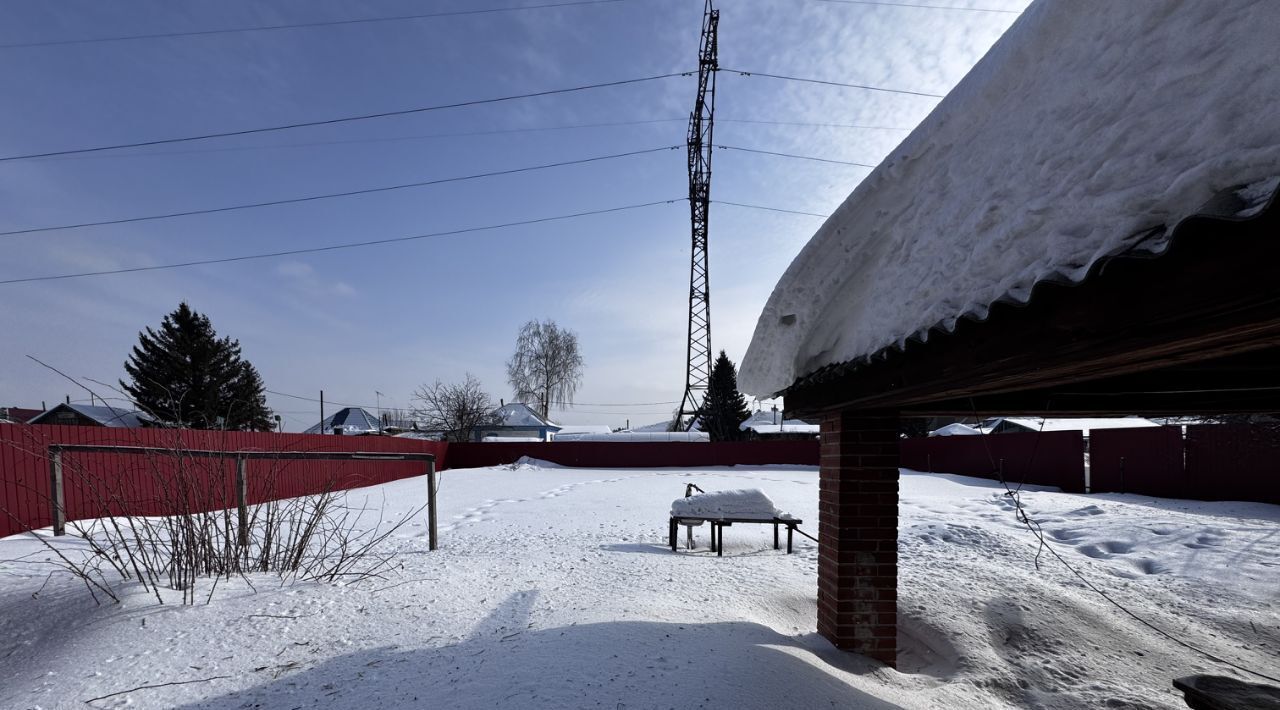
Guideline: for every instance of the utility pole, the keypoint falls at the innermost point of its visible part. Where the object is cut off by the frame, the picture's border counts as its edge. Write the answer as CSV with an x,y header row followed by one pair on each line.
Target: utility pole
x,y
321,411
701,122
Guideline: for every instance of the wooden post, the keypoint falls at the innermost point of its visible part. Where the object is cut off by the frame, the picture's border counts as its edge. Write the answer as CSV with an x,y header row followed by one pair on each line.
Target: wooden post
x,y
432,540
55,492
242,493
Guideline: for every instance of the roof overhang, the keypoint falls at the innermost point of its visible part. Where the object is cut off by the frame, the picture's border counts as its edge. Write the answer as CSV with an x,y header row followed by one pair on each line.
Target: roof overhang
x,y
1195,329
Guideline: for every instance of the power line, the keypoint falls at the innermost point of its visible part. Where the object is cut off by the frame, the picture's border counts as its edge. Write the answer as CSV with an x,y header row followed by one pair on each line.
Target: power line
x,y
384,139
303,25
770,209
461,134
623,404
335,247
830,83
315,399
814,125
923,7
331,195
344,119
788,155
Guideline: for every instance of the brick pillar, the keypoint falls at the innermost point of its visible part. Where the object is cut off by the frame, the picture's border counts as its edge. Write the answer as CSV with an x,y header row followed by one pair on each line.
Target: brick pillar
x,y
858,529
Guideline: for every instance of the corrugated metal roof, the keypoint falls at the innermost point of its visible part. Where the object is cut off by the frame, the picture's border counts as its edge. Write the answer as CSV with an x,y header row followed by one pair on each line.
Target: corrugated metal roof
x,y
104,415
351,420
1236,205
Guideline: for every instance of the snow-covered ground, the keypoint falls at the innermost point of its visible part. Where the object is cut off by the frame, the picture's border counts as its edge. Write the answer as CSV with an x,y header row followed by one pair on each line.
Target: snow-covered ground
x,y
553,589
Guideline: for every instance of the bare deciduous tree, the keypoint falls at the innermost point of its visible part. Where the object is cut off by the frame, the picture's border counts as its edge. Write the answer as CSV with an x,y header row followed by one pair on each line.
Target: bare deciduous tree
x,y
546,368
455,409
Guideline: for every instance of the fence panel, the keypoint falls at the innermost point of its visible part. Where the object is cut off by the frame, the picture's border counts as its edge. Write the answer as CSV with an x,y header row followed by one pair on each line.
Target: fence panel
x,y
1146,461
1051,458
95,483
1234,462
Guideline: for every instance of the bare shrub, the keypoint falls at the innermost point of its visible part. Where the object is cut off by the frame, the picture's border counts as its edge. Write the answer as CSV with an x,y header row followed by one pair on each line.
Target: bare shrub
x,y
190,537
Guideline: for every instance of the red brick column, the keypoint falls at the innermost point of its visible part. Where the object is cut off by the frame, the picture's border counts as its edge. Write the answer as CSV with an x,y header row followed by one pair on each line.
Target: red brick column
x,y
858,527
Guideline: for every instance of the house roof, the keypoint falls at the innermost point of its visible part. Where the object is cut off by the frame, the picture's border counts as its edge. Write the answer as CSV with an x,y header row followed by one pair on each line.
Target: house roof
x,y
1070,423
520,415
104,415
1086,131
352,420
762,422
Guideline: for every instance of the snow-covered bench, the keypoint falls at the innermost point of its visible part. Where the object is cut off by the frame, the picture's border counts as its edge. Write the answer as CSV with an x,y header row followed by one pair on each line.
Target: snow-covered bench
x,y
724,508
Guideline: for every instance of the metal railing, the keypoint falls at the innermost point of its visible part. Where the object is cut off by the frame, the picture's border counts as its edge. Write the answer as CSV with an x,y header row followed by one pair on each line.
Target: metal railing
x,y
58,500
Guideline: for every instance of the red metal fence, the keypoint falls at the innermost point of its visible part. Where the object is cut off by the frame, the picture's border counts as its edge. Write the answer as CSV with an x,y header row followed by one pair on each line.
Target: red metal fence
x,y
1146,461
603,454
143,485
1052,458
1230,462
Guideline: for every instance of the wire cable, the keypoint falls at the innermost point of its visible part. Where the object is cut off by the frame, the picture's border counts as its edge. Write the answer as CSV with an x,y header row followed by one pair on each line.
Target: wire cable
x,y
830,83
359,141
335,247
1034,527
812,125
769,209
331,195
343,119
793,155
923,7
303,25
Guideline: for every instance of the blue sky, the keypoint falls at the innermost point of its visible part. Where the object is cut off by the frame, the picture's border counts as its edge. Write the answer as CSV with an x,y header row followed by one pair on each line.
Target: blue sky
x,y
389,318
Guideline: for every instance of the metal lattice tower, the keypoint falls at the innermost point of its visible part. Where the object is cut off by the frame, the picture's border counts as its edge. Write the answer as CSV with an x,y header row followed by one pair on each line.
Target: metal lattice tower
x,y
701,121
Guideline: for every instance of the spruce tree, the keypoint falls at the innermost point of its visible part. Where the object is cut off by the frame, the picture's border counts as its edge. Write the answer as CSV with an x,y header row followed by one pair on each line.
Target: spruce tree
x,y
724,408
185,376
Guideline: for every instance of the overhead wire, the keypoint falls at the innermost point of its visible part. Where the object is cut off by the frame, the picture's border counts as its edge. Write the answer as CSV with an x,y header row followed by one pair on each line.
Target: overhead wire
x,y
335,247
359,141
343,119
793,155
830,83
303,25
1034,527
769,209
922,7
332,195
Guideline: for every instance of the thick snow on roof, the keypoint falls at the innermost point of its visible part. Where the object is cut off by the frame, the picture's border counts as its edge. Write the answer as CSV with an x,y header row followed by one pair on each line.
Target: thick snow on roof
x,y
105,415
1089,124
956,429
762,422
352,420
1073,423
518,414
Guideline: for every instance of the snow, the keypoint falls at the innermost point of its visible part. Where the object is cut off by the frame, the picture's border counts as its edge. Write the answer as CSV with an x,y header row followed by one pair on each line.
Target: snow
x,y
571,432
956,429
1088,124
1084,424
553,588
737,503
766,422
650,436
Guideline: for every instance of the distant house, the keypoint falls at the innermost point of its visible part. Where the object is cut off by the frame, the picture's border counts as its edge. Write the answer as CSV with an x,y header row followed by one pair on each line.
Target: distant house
x,y
516,421
92,415
955,429
352,421
18,415
575,432
1008,425
770,424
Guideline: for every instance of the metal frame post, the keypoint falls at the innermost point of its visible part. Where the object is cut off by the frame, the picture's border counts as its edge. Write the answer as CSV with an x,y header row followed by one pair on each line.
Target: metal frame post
x,y
242,506
56,497
432,541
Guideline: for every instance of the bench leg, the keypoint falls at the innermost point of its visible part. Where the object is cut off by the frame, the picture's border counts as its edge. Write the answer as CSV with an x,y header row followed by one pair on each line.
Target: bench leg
x,y
671,535
790,529
720,542
775,536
